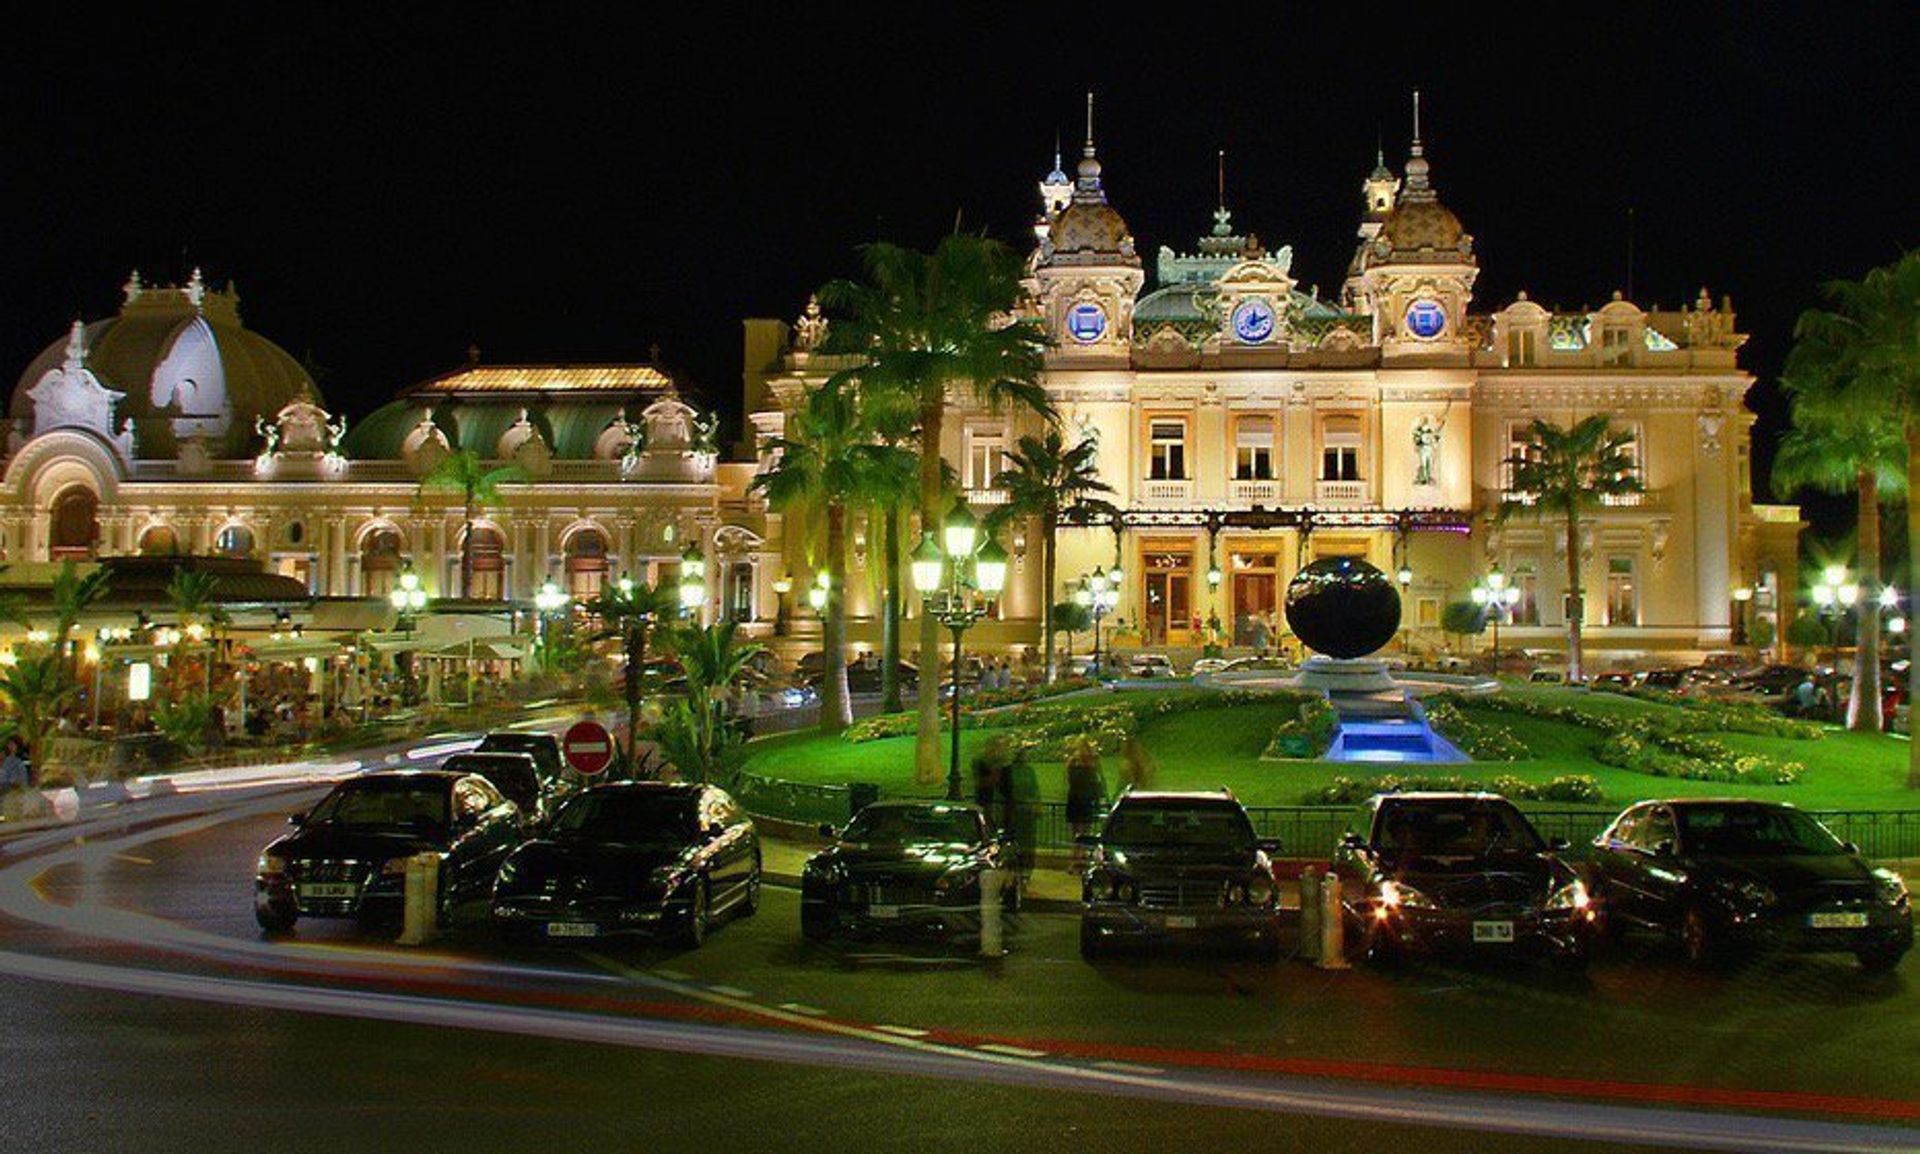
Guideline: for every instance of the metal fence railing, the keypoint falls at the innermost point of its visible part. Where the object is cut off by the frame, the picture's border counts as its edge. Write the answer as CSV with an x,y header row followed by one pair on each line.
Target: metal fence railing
x,y
1307,831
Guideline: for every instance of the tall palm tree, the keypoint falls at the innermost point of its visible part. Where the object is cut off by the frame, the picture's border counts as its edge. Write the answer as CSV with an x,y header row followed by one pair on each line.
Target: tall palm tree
x,y
190,593
1838,451
466,472
923,325
827,462
1567,473
892,419
629,612
1047,480
74,594
697,736
1868,338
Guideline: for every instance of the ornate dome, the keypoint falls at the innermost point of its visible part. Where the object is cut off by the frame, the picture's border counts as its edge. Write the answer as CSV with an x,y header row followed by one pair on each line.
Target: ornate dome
x,y
186,366
1090,228
1422,224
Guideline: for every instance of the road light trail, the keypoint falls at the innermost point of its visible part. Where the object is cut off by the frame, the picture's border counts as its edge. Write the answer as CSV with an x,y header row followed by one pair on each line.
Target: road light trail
x,y
1560,1120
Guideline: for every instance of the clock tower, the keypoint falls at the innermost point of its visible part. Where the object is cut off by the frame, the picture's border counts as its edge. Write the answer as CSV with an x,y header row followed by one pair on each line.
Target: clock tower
x,y
1087,274
1415,274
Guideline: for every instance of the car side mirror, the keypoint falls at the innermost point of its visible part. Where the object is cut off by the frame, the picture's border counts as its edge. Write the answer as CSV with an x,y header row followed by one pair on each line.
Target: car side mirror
x,y
1559,844
827,831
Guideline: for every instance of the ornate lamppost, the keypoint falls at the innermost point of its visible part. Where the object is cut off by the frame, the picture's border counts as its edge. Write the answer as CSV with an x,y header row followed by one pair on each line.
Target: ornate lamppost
x,y
547,600
782,585
959,577
1099,591
1835,597
1498,598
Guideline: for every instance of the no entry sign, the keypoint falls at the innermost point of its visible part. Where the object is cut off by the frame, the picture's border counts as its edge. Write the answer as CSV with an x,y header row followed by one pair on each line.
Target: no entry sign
x,y
588,747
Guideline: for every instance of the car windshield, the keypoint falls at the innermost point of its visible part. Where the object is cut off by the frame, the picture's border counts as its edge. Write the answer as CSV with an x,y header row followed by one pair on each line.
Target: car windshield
x,y
1200,825
1752,831
915,825
633,818
383,803
1468,827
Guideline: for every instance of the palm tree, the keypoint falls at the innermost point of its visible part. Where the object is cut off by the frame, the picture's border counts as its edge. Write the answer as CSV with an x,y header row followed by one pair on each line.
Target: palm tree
x,y
190,592
35,690
73,595
1837,451
697,736
892,422
465,472
629,612
1868,340
828,461
1567,473
1047,480
924,324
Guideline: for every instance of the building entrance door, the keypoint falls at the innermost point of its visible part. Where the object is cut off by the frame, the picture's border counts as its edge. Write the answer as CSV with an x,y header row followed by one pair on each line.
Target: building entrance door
x,y
1168,604
1256,597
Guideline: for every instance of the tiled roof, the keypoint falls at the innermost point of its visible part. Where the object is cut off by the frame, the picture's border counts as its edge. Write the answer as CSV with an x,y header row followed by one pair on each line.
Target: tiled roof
x,y
546,379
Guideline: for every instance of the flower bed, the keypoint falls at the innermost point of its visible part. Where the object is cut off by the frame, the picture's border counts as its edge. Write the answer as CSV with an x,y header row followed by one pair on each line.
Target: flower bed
x,y
1669,744
1574,788
1480,740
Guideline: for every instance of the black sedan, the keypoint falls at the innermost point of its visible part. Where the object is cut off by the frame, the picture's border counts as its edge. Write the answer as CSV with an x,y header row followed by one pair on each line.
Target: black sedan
x,y
347,857
1460,873
1733,877
1179,867
633,857
906,865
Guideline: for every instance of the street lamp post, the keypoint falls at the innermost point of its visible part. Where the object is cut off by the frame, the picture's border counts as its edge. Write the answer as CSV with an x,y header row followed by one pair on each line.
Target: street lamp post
x,y
959,577
1834,596
547,600
693,581
1099,592
782,585
1405,578
1498,598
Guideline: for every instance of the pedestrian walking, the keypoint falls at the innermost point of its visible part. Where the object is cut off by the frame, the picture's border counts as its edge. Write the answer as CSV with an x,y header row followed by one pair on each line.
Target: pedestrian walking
x,y
1086,791
14,773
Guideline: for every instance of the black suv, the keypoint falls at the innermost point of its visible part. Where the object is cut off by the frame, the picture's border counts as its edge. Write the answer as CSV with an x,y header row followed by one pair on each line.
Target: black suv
x,y
911,865
1731,876
1459,873
1179,866
347,857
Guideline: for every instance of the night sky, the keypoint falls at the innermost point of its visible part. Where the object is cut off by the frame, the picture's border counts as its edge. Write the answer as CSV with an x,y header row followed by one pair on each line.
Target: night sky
x,y
388,189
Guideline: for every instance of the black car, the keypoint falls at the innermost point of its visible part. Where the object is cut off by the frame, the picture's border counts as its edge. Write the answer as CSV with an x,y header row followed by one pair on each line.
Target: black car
x,y
347,856
1730,877
544,748
1460,873
908,865
633,857
1179,866
515,774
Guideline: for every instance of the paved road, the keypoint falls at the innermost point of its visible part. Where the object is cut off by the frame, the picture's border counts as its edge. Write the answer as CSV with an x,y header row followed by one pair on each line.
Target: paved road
x,y
341,1040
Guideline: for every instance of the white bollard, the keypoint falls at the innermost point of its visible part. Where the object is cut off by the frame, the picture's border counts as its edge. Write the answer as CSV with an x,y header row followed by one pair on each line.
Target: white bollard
x,y
1310,914
991,883
419,921
1333,925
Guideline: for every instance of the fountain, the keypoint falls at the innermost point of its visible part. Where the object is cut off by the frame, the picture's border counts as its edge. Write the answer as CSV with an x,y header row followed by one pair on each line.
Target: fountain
x,y
1346,610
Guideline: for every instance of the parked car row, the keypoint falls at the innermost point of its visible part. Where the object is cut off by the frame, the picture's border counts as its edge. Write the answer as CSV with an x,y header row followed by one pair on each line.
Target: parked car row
x,y
1421,873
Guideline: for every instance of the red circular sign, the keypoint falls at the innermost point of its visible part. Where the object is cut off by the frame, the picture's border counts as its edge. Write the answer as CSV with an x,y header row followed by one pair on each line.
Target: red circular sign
x,y
588,747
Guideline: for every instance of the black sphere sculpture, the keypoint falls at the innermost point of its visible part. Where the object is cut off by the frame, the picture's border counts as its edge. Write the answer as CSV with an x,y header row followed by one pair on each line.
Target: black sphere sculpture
x,y
1343,607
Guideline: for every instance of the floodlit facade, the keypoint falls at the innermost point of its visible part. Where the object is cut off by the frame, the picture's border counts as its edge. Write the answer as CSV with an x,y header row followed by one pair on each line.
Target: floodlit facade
x,y
1249,426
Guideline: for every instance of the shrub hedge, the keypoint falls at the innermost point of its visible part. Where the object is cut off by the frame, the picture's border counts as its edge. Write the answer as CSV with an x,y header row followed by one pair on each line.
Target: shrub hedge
x,y
1572,788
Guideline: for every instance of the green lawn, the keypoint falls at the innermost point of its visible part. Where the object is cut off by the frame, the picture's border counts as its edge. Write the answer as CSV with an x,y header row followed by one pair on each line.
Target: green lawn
x,y
1211,747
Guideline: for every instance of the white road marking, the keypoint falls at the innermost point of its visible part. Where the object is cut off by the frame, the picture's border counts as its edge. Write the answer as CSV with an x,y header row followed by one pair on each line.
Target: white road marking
x,y
1128,1068
1010,1051
903,1031
731,991
797,1008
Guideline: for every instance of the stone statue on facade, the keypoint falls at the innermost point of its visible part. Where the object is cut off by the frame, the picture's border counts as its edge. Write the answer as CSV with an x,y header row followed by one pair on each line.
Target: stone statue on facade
x,y
1426,442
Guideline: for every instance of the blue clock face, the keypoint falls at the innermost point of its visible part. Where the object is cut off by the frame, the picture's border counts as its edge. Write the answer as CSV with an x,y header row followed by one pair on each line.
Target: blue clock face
x,y
1086,322
1426,319
1253,320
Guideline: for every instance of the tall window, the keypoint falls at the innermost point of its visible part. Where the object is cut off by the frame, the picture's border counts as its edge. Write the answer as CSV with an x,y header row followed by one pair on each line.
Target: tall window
x,y
1340,449
1519,447
1253,449
1526,580
1521,346
586,564
736,600
1168,601
235,541
986,459
489,566
1623,594
379,563
76,525
1167,460
1616,345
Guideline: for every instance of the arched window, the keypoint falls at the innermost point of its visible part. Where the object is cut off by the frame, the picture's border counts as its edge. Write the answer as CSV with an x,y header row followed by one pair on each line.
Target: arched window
x,y
76,525
489,566
586,564
159,541
234,541
379,563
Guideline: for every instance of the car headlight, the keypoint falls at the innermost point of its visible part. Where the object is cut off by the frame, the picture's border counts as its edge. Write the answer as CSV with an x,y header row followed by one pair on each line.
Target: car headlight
x,y
1572,896
270,864
1394,896
1889,887
1260,892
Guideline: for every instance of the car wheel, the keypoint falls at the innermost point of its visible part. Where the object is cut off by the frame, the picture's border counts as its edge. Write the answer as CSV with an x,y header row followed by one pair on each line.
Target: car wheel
x,y
1093,947
1698,939
694,931
274,921
1880,961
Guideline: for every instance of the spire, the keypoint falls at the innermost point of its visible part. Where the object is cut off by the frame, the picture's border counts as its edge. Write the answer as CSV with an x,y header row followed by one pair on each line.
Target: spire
x,y
76,347
1223,178
1056,191
1090,163
1417,187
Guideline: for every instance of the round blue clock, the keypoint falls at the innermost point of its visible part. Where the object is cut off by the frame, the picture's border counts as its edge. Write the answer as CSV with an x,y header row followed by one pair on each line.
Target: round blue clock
x,y
1253,320
1086,322
1426,319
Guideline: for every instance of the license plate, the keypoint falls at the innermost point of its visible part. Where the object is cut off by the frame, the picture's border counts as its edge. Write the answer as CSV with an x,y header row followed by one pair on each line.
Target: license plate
x,y
883,911
1181,922
1493,931
1838,921
572,930
324,891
